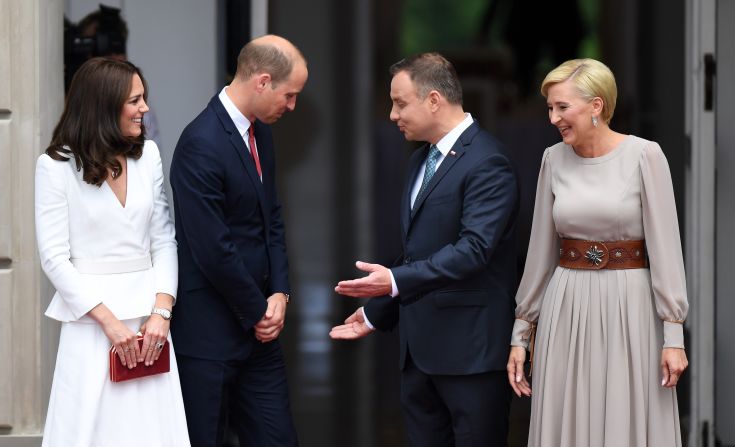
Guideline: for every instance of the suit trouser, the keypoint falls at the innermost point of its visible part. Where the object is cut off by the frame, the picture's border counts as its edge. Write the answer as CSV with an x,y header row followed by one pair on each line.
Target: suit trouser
x,y
460,411
248,395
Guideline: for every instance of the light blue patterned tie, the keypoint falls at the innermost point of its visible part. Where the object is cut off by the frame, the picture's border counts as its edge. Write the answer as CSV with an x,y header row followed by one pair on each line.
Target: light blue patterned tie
x,y
434,154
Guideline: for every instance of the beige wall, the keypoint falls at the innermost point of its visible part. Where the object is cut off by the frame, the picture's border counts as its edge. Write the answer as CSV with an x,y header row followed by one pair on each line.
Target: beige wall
x,y
31,98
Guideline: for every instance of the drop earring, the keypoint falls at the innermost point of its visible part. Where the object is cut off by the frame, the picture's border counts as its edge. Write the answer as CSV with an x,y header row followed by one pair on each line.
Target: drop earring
x,y
594,121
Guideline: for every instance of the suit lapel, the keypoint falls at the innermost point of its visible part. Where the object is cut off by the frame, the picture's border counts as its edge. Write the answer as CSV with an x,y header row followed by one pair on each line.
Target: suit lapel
x,y
238,145
413,171
455,153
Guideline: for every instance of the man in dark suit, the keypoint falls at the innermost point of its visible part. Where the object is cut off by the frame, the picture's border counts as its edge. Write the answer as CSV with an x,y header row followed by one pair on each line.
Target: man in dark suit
x,y
451,294
233,271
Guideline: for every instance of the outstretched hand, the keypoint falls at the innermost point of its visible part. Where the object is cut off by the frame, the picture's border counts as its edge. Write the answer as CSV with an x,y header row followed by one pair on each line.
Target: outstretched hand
x,y
377,283
354,327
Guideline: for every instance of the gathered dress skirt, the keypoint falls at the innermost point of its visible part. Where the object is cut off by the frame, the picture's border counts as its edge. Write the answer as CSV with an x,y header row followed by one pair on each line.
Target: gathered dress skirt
x,y
596,374
86,409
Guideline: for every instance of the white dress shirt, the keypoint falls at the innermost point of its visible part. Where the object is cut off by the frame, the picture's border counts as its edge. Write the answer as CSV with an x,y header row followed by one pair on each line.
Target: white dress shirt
x,y
444,145
241,123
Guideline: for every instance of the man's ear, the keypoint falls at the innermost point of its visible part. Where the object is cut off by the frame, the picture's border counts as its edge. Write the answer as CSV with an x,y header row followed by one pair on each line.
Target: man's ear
x,y
434,99
262,81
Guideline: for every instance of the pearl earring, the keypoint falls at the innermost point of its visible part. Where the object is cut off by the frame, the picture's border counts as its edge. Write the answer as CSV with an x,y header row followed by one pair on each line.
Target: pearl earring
x,y
594,121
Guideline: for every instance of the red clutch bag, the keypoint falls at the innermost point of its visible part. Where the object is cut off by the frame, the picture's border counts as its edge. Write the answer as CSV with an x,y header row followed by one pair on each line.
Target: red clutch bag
x,y
120,373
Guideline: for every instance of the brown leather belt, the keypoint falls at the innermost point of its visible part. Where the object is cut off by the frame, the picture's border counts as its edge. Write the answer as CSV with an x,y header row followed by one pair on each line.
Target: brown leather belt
x,y
596,255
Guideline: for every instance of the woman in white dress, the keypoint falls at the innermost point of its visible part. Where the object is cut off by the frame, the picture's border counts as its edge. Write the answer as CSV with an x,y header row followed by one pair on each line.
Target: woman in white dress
x,y
107,244
609,348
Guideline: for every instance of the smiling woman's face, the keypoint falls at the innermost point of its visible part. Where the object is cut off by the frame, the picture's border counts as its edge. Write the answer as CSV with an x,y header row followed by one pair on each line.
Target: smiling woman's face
x,y
131,117
570,113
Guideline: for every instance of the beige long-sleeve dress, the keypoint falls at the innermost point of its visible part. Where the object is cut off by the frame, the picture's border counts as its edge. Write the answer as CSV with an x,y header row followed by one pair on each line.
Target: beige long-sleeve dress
x,y
597,377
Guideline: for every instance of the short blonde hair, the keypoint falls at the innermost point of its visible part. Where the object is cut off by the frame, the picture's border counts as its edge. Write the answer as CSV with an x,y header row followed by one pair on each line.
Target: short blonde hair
x,y
592,79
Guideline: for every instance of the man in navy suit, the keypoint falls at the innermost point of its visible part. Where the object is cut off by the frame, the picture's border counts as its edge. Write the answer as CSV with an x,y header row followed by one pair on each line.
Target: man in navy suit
x,y
452,292
233,271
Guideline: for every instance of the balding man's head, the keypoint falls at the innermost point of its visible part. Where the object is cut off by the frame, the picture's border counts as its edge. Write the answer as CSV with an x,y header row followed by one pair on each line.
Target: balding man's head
x,y
268,54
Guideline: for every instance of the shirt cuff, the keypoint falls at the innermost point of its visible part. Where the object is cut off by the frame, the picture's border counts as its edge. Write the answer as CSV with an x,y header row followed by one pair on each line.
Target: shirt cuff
x,y
673,335
394,287
521,333
367,322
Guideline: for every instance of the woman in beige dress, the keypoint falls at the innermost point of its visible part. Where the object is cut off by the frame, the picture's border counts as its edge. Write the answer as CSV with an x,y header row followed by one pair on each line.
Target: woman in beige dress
x,y
609,345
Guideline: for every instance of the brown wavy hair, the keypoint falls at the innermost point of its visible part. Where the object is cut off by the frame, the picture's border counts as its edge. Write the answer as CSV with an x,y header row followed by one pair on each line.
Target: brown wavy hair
x,y
89,127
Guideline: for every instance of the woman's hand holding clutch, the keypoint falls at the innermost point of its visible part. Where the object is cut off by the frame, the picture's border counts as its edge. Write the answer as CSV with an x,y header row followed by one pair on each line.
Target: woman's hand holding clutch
x,y
123,339
155,329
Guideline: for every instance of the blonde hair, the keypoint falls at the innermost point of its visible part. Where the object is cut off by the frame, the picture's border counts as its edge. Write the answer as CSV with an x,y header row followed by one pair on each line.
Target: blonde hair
x,y
592,79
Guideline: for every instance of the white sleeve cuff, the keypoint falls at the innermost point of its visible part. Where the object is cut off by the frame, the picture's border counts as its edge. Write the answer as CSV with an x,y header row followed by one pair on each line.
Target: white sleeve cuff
x,y
394,287
364,316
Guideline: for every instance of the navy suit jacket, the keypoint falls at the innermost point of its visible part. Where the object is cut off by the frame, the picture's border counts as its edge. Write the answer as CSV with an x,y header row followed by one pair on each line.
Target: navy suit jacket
x,y
457,275
232,251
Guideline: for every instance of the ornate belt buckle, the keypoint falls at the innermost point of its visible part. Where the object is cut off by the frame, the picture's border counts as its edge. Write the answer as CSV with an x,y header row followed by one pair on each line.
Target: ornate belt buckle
x,y
597,255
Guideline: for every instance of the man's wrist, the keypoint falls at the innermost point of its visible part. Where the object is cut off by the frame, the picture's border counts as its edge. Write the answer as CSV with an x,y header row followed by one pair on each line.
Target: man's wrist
x,y
365,318
393,286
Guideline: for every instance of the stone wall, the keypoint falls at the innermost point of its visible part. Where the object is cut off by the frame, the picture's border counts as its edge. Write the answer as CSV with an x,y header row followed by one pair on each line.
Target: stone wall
x,y
31,99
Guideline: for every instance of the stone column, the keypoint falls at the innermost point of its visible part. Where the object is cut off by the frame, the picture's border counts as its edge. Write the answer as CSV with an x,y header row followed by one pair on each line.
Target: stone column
x,y
31,99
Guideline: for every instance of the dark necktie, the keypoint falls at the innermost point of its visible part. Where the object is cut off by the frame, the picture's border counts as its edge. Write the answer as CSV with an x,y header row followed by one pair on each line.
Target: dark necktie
x,y
434,154
254,150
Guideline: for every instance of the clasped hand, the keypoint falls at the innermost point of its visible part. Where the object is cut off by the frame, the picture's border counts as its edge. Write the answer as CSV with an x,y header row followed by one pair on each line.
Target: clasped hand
x,y
270,326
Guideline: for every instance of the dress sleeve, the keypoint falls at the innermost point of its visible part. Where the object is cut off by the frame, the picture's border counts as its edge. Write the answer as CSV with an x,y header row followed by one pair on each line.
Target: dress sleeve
x,y
52,235
541,259
661,230
162,234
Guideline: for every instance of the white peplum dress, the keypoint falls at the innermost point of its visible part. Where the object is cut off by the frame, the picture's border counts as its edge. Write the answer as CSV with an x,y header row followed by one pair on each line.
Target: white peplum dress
x,y
596,374
93,251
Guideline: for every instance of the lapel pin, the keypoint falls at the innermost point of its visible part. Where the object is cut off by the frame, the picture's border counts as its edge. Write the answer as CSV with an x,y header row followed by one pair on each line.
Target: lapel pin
x,y
452,153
